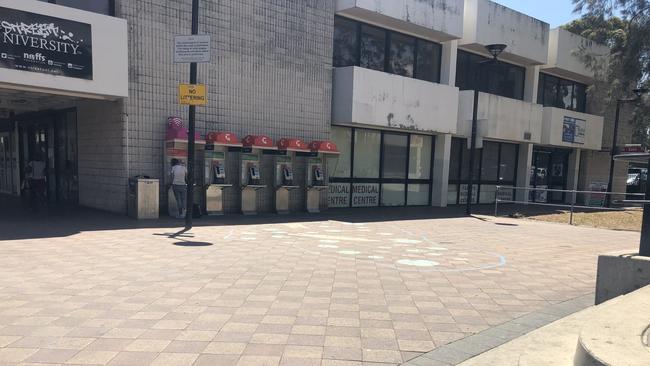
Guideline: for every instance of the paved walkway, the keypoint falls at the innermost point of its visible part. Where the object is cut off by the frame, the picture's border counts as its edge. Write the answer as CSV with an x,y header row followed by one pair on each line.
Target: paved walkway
x,y
333,291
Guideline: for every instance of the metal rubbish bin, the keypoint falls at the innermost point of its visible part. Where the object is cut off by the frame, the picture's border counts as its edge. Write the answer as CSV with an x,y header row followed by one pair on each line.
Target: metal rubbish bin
x,y
143,198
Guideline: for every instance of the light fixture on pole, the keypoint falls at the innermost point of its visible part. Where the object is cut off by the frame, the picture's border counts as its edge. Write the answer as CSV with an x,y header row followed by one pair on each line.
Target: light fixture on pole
x,y
494,50
638,92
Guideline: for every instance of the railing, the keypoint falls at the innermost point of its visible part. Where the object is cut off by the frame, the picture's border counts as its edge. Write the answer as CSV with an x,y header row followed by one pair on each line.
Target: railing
x,y
597,196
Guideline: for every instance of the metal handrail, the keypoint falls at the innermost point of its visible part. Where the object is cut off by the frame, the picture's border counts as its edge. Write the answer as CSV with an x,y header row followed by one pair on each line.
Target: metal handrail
x,y
572,206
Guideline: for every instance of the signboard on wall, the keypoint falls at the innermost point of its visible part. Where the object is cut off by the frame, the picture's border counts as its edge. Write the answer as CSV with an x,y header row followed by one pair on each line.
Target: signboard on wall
x,y
463,194
573,130
44,44
339,195
365,194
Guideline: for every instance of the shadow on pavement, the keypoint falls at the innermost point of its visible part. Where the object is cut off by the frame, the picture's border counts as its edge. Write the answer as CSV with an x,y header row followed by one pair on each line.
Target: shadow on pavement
x,y
18,222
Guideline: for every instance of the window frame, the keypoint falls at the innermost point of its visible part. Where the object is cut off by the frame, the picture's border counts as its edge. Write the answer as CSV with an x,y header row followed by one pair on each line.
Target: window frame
x,y
467,61
111,7
405,181
387,50
557,102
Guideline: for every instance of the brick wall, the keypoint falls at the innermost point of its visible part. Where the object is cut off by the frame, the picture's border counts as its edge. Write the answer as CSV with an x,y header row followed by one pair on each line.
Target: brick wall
x,y
270,73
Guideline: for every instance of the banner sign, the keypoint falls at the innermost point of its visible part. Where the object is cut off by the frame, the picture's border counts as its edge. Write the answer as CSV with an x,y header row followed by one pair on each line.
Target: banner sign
x,y
194,48
44,44
573,130
365,194
339,195
192,94
463,194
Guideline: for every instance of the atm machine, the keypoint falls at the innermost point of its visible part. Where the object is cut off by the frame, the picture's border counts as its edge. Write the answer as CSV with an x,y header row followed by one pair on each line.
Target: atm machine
x,y
251,177
316,181
284,177
215,178
176,148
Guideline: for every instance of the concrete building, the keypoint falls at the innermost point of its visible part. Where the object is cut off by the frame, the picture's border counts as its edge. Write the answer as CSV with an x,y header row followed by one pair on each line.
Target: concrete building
x,y
390,82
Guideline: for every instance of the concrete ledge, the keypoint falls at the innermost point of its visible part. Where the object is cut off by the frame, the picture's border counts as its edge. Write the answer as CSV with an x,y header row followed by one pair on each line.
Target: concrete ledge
x,y
615,333
620,274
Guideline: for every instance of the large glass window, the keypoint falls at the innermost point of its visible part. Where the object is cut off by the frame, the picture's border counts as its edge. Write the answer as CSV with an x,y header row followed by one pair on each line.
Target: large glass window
x,y
394,156
364,45
495,164
380,168
500,78
106,7
420,157
342,137
561,93
428,62
366,153
345,42
402,55
373,48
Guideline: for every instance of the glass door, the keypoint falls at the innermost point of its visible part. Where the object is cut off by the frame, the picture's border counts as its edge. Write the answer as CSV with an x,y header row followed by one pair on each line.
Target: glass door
x,y
7,164
539,177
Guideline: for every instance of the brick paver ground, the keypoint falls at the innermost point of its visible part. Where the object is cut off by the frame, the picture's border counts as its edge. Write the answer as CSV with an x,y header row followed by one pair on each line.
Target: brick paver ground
x,y
304,293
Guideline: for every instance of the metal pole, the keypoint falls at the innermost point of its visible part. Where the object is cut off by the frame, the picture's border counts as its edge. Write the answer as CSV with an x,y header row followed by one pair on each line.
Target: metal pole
x,y
191,129
644,245
496,203
612,152
573,203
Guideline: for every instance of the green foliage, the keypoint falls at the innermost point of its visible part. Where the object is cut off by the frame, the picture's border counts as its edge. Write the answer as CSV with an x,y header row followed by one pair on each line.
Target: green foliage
x,y
624,26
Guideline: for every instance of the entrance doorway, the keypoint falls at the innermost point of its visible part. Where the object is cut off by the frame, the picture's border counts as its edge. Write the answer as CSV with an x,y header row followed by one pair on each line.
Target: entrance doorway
x,y
52,138
549,171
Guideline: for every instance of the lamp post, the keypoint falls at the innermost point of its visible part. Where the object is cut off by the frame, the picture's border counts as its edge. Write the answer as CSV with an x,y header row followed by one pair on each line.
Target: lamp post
x,y
495,50
638,92
191,129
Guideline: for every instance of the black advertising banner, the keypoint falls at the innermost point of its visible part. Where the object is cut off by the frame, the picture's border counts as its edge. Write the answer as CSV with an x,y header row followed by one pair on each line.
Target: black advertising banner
x,y
44,44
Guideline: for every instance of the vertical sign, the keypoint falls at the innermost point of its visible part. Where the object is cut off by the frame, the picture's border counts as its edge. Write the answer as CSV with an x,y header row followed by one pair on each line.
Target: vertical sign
x,y
573,130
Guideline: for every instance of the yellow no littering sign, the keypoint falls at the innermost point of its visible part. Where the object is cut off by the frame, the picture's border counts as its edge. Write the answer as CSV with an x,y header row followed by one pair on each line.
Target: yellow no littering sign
x,y
192,94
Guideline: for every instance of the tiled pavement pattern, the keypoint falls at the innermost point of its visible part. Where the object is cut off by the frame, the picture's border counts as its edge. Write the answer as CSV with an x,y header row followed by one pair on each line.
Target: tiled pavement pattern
x,y
324,293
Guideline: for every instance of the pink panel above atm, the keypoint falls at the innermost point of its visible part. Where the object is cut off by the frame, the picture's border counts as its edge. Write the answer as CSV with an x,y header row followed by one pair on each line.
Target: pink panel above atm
x,y
223,139
259,142
292,145
325,147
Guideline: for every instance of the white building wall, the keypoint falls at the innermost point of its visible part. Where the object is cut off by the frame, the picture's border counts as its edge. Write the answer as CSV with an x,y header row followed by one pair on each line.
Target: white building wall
x,y
553,124
378,99
439,20
487,22
570,55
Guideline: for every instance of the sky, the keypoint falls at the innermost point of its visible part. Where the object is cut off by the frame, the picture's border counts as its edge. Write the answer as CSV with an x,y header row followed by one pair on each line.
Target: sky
x,y
554,12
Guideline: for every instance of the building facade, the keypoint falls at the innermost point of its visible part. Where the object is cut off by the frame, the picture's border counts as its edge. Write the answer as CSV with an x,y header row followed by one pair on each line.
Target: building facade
x,y
390,82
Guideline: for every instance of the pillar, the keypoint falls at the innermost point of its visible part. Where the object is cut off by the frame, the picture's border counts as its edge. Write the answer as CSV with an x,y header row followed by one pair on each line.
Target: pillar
x,y
524,163
531,84
441,157
573,173
448,65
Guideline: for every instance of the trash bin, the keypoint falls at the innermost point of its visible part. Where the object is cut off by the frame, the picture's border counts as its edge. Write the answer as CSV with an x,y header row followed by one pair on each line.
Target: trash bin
x,y
143,198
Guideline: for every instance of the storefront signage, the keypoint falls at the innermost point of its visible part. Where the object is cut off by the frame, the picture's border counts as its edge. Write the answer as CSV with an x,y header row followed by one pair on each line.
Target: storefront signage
x,y
191,94
194,48
463,194
365,194
339,195
573,130
596,199
44,44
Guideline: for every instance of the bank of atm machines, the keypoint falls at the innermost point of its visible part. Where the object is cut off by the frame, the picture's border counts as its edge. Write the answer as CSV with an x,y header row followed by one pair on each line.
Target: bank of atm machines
x,y
176,148
251,175
285,181
216,179
321,153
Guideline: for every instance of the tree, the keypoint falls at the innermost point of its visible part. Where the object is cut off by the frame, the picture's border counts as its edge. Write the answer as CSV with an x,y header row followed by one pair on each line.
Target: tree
x,y
628,66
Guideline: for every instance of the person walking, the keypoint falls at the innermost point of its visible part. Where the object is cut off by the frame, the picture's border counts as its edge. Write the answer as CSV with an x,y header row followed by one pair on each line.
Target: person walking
x,y
179,186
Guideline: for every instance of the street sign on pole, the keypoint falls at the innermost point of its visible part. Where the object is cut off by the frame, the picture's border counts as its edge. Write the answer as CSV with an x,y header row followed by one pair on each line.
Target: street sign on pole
x,y
193,48
192,94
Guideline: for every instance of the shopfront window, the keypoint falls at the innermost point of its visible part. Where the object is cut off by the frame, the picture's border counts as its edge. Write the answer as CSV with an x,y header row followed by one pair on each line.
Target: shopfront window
x,y
366,153
360,44
500,78
394,150
561,93
495,164
106,7
342,137
385,168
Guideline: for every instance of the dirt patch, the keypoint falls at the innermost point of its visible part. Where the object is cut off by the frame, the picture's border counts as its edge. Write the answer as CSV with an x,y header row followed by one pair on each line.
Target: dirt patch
x,y
617,220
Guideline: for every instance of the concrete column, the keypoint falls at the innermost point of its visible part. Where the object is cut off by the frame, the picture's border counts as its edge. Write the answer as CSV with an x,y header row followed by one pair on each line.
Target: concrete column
x,y
440,172
525,161
448,65
531,84
574,169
